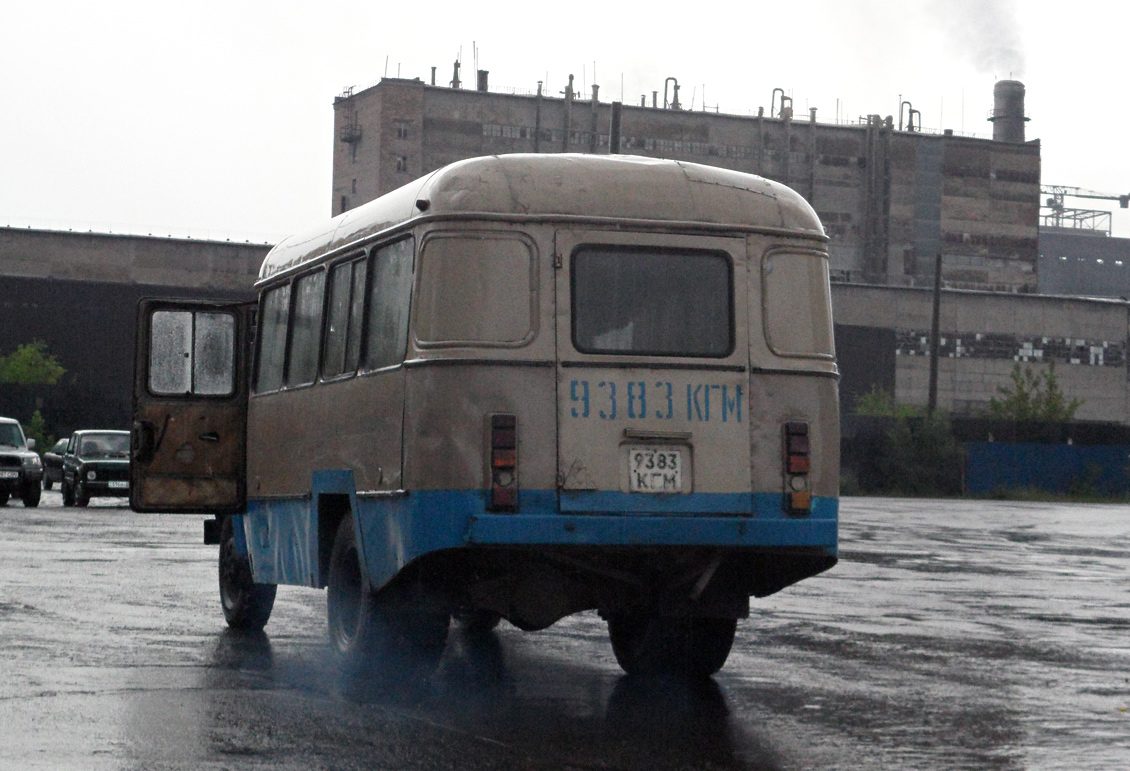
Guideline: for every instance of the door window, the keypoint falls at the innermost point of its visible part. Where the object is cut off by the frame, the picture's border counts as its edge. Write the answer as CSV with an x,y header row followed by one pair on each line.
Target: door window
x,y
192,352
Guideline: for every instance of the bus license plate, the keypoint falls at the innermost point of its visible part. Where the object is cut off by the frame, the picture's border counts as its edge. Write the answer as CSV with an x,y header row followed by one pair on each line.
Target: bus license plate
x,y
654,469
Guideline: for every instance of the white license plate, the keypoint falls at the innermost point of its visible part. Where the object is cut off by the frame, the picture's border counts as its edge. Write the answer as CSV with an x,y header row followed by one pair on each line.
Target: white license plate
x,y
118,484
655,469
9,475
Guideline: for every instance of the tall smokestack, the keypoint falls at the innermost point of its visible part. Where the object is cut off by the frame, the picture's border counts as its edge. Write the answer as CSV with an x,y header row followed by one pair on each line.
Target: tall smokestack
x,y
1008,111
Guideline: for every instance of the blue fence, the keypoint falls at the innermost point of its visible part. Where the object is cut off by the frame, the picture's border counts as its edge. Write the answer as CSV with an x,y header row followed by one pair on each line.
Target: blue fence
x,y
1060,468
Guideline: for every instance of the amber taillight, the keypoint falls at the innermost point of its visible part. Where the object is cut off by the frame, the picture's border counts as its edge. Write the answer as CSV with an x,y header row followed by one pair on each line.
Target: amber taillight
x,y
797,463
503,462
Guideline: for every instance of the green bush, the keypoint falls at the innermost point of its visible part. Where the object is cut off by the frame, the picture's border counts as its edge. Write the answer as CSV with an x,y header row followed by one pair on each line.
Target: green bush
x,y
921,457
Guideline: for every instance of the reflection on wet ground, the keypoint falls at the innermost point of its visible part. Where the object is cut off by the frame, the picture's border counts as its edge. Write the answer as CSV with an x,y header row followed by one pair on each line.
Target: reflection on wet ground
x,y
953,634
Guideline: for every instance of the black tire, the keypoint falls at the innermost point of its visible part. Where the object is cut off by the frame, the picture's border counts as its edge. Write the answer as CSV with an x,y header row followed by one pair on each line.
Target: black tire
x,y
82,497
68,493
477,620
247,605
31,495
389,633
4,495
645,644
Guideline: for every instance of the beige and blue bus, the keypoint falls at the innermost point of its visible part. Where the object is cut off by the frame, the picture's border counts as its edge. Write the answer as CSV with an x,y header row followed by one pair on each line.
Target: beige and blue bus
x,y
519,388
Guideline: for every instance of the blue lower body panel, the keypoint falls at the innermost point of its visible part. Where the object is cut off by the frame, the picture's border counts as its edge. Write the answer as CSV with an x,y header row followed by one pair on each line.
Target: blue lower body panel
x,y
282,536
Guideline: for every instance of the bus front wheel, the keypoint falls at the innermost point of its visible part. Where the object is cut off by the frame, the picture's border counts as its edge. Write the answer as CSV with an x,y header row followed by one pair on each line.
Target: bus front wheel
x,y
646,644
378,633
247,605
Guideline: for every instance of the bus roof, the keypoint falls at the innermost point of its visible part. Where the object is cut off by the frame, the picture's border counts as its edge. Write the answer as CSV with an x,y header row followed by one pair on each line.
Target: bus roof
x,y
567,187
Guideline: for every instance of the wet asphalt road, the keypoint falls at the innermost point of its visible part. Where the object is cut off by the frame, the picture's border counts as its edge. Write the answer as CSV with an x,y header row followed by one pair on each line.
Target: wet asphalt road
x,y
953,634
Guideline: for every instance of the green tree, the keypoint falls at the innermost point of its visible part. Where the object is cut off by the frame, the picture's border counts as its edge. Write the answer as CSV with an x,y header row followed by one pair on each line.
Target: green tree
x,y
1033,397
31,364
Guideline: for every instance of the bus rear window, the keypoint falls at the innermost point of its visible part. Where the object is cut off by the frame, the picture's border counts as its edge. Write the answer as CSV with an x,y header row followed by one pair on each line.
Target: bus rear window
x,y
650,301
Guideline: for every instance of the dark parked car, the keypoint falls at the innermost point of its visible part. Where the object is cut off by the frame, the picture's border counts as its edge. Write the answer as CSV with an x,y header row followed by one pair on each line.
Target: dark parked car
x,y
95,464
20,468
53,464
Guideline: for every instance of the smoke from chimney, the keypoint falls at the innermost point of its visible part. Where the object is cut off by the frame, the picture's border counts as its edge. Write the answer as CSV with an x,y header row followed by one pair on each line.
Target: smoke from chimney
x,y
985,32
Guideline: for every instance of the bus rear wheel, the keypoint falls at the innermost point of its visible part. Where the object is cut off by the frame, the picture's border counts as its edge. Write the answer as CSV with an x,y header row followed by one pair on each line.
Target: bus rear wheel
x,y
247,605
647,644
385,634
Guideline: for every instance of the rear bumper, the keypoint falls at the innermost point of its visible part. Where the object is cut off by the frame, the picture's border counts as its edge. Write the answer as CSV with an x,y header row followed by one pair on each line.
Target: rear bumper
x,y
628,530
284,539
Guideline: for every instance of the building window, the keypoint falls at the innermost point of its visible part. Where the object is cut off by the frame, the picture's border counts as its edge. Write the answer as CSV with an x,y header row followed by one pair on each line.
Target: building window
x,y
402,163
353,187
344,204
401,130
353,152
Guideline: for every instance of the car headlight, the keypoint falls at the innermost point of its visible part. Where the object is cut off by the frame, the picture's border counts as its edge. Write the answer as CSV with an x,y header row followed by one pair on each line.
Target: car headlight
x,y
90,474
32,461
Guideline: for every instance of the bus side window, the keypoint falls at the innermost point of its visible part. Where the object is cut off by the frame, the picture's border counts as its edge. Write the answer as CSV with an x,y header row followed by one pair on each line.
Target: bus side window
x,y
797,307
343,327
272,339
305,337
192,352
389,301
476,290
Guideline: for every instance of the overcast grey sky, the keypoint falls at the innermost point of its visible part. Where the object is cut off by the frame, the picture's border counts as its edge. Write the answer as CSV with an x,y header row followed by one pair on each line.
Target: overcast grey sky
x,y
216,117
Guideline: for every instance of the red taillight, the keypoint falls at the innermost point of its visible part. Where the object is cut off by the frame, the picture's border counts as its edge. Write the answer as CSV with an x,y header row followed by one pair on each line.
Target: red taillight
x,y
503,462
797,464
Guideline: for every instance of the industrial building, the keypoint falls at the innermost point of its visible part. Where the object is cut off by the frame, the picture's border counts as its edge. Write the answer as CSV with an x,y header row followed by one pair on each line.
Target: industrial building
x,y
891,196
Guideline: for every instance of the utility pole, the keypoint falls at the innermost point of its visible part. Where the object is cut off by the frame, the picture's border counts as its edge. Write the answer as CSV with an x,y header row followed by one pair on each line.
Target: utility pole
x,y
935,325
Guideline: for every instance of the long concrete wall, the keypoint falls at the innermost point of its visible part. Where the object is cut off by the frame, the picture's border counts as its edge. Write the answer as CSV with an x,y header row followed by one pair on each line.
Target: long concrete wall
x,y
984,335
126,259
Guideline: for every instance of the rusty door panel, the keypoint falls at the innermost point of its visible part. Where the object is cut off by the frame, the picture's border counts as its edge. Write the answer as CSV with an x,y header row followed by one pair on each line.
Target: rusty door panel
x,y
197,458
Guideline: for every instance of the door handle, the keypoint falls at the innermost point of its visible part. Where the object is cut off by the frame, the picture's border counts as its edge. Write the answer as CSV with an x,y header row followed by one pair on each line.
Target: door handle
x,y
143,441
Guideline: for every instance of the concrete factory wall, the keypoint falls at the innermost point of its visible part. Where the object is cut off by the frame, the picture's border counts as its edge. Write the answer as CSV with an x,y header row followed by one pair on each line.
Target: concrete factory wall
x,y
983,336
124,259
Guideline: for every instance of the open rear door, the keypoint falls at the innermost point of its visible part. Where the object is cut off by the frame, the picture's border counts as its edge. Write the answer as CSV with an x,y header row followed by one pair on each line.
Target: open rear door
x,y
189,435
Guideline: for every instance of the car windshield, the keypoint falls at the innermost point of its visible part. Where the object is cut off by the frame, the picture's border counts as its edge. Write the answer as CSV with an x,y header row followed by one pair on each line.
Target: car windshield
x,y
11,435
106,445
